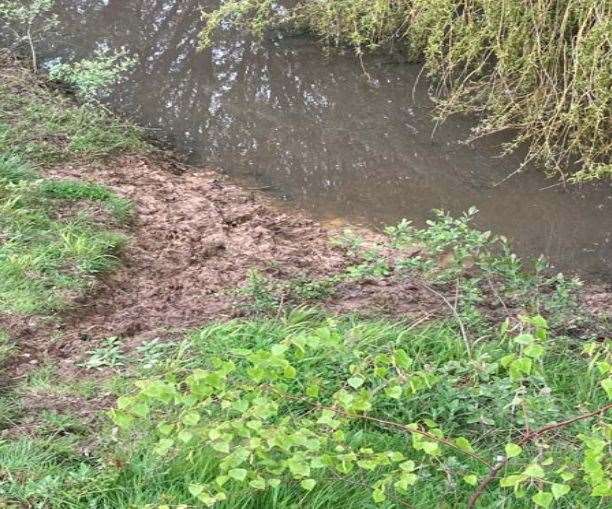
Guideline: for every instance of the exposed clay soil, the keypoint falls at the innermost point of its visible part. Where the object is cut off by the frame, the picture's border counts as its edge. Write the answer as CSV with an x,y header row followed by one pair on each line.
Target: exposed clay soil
x,y
194,238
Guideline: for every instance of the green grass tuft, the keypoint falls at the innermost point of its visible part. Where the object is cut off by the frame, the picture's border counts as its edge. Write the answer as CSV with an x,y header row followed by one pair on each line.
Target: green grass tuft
x,y
44,128
46,256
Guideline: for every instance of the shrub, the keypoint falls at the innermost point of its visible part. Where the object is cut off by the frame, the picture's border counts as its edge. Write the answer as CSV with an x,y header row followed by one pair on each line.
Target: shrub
x,y
404,416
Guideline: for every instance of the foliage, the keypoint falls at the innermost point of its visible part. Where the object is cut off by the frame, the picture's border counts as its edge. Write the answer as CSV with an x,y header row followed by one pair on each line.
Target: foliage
x,y
326,399
448,258
537,69
93,76
90,77
27,20
108,355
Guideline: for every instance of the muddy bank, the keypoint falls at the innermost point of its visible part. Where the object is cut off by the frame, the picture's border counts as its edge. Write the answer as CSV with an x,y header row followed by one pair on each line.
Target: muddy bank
x,y
194,238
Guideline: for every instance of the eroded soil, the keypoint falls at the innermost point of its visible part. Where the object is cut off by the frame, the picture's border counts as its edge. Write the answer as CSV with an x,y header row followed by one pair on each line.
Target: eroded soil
x,y
195,237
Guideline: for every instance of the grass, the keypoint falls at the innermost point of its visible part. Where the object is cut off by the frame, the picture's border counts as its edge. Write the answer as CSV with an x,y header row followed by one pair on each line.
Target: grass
x,y
46,256
57,235
469,398
42,127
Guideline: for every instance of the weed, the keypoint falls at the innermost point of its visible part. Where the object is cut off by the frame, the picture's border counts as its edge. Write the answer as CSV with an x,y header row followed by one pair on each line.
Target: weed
x,y
154,353
260,293
109,355
280,407
93,76
350,241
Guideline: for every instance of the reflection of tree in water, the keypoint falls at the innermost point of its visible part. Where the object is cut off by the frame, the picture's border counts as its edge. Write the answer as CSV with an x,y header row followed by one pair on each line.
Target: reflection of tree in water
x,y
316,129
266,102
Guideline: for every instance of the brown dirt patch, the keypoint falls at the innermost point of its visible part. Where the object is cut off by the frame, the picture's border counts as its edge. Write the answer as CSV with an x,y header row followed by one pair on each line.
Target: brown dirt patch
x,y
194,239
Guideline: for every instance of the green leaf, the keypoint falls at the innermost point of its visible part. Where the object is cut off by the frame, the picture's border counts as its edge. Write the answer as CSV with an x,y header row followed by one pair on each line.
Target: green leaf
x,y
378,496
165,428
405,480
534,351
163,446
140,409
431,448
534,470
298,466
507,359
308,484
471,479
407,466
355,382
513,450
559,490
289,372
463,444
185,436
312,391
519,367
327,418
191,418
542,499
239,474
124,402
511,481
223,447
274,483
196,489
401,359
394,392
258,484
279,349
606,383
121,419
524,339
221,479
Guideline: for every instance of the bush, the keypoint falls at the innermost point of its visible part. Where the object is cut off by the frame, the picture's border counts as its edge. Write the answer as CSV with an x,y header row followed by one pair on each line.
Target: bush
x,y
284,408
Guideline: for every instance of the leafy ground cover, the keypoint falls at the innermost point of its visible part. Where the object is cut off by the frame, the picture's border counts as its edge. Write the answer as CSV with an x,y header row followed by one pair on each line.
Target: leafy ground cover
x,y
318,411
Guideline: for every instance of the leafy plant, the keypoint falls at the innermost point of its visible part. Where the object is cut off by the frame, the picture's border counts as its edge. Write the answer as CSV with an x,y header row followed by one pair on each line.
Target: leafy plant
x,y
153,353
327,400
109,355
93,76
23,19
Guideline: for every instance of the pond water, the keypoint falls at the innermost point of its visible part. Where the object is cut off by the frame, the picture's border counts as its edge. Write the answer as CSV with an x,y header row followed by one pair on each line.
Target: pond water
x,y
314,130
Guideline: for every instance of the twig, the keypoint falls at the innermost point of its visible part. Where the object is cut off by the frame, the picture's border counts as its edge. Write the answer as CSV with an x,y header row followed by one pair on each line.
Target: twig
x,y
455,313
526,438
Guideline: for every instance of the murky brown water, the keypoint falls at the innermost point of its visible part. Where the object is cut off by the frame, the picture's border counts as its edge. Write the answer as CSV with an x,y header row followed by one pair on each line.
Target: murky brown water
x,y
322,135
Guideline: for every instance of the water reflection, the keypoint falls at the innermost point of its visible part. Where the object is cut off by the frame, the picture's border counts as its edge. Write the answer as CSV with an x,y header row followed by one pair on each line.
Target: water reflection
x,y
321,134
